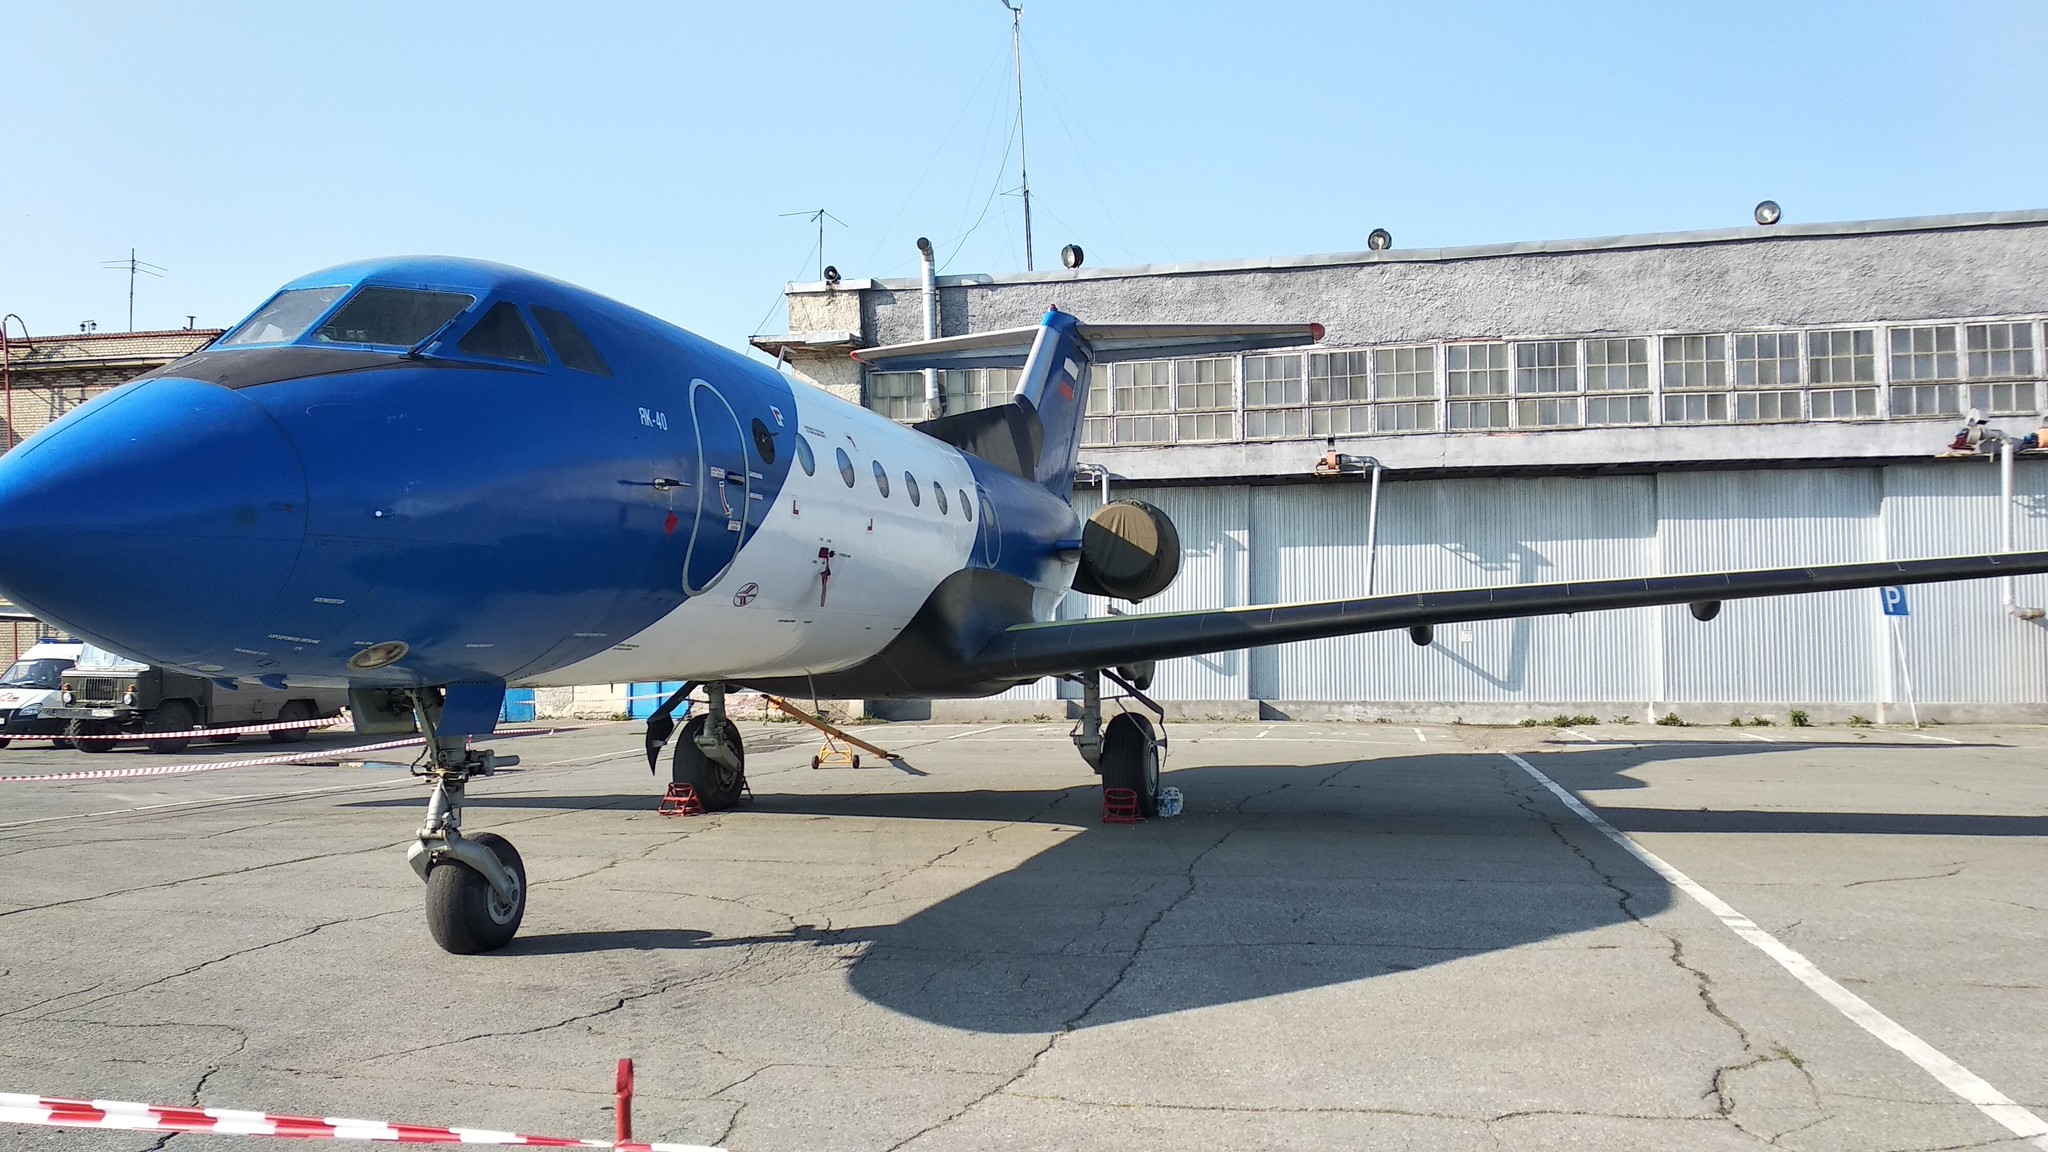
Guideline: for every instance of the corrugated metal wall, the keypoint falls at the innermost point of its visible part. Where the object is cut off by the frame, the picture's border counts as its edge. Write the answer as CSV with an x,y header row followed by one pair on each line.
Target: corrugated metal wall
x,y
1306,541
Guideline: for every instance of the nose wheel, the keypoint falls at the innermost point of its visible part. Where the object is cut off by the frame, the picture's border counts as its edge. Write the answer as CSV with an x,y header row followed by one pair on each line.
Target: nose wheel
x,y
476,885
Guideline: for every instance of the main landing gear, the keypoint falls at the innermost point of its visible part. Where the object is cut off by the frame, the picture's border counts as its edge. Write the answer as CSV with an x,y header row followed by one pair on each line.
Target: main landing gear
x,y
476,885
710,757
1127,751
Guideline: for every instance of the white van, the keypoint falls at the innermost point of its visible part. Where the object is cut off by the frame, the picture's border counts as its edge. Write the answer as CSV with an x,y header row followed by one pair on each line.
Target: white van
x,y
29,685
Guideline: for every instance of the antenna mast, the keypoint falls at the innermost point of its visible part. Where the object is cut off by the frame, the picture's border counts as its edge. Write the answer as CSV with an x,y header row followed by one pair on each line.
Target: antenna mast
x,y
133,266
819,215
1023,168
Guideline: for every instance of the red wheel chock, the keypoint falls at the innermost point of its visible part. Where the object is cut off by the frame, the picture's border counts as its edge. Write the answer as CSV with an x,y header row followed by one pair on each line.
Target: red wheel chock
x,y
1120,806
681,800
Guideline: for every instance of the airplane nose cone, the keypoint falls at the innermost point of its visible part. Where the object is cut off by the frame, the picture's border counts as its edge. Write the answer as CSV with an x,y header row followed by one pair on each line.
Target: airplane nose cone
x,y
160,519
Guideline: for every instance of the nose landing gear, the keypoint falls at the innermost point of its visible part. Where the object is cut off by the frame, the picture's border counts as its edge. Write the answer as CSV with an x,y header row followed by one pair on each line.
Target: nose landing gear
x,y
476,886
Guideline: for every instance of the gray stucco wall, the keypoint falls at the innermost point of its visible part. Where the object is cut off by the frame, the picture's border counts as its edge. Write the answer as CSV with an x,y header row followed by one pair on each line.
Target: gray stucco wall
x,y
1951,267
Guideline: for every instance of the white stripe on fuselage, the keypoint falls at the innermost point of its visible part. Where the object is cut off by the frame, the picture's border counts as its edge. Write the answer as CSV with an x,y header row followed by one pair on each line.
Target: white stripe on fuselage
x,y
888,557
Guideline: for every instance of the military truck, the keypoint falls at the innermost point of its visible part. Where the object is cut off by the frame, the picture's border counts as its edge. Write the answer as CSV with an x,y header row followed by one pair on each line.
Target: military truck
x,y
109,695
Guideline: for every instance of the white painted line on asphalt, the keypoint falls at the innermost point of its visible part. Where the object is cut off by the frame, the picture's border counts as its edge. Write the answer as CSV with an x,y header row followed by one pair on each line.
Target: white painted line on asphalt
x,y
1953,1076
977,731
1765,739
1579,734
1264,732
1936,739
1420,738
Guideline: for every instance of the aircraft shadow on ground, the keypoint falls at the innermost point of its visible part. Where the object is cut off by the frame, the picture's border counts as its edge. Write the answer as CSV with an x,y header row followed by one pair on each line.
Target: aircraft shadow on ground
x,y
1277,879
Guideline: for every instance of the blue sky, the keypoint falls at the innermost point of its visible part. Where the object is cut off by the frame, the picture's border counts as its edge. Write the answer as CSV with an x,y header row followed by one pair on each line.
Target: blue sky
x,y
647,151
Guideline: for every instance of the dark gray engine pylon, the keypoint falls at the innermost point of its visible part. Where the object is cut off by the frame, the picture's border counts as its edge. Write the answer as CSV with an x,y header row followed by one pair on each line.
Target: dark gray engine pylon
x,y
1130,550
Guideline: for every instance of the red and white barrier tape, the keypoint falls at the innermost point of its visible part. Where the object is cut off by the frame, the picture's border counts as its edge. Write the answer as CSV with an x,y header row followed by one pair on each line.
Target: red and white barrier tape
x,y
180,769
18,1108
203,734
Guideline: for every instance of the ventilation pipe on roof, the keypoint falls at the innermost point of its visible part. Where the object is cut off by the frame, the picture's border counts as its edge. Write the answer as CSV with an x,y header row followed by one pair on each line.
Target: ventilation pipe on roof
x,y
934,402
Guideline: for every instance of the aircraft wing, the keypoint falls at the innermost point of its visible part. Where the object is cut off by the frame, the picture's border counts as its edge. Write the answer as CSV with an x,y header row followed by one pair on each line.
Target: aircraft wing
x,y
1027,651
9,614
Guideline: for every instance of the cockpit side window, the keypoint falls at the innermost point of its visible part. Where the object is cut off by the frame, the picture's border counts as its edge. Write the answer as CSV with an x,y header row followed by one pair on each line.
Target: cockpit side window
x,y
285,318
570,343
502,335
393,317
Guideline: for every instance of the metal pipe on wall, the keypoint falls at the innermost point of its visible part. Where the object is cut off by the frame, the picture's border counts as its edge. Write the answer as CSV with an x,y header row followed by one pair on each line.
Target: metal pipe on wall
x,y
934,402
7,371
1372,526
2005,508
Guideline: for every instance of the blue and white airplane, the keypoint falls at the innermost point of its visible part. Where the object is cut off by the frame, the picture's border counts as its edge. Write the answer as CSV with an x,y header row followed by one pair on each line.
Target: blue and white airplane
x,y
428,479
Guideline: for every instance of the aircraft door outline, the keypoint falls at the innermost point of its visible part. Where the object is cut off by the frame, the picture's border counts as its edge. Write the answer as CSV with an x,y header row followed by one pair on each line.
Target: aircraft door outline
x,y
724,489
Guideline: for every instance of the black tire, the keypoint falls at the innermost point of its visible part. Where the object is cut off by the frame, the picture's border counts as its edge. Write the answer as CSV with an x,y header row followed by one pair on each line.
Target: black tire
x,y
718,787
292,711
1130,759
463,913
4,741
227,738
170,716
81,728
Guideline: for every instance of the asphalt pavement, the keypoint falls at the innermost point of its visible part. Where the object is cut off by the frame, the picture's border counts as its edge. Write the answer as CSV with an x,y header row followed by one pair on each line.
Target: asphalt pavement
x,y
1355,935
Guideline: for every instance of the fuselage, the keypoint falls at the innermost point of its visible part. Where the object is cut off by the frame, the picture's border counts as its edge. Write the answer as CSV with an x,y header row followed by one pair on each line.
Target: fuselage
x,y
617,500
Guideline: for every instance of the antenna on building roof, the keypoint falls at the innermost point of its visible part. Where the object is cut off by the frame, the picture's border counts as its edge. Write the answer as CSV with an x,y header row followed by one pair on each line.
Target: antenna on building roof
x,y
133,266
819,215
1023,168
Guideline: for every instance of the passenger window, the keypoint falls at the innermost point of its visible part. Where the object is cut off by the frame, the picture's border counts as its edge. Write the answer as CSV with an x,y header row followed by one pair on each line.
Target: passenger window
x,y
882,479
574,348
966,509
910,486
394,317
845,467
503,335
804,457
764,442
939,494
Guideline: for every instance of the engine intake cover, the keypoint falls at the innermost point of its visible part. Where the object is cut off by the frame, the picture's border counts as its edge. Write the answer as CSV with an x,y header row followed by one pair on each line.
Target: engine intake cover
x,y
1129,550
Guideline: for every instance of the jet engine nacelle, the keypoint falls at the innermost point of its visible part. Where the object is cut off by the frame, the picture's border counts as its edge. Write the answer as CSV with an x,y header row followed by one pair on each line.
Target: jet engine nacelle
x,y
1129,551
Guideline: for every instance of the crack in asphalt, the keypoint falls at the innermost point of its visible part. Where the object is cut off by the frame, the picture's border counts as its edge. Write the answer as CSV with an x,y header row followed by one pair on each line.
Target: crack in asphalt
x,y
1720,1083
1081,1017
748,957
386,846
201,966
1952,871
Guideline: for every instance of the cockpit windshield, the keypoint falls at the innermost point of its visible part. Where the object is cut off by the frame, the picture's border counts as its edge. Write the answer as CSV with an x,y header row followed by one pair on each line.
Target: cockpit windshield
x,y
285,318
391,317
33,673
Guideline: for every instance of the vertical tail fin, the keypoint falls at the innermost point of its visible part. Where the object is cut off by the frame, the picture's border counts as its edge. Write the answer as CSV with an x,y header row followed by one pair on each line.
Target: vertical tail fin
x,y
1055,390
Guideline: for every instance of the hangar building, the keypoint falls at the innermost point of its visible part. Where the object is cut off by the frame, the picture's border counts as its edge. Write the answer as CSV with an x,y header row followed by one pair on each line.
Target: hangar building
x,y
1748,397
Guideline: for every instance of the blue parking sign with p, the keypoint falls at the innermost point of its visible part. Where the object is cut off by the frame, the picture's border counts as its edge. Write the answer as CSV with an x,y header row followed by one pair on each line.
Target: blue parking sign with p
x,y
1894,600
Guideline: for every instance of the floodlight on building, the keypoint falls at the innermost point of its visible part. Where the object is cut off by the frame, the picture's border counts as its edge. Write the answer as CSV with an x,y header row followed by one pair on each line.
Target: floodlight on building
x,y
1768,213
1379,240
831,274
1070,256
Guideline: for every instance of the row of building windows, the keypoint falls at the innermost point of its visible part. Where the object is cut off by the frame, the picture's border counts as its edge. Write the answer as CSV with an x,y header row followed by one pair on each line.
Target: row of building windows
x,y
1872,373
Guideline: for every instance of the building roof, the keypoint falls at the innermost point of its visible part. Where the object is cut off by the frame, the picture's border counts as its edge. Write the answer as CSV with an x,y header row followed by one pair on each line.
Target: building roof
x,y
82,349
1752,234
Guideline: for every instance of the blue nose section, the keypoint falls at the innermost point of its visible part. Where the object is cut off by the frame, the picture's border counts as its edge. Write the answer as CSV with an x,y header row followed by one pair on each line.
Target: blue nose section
x,y
160,519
